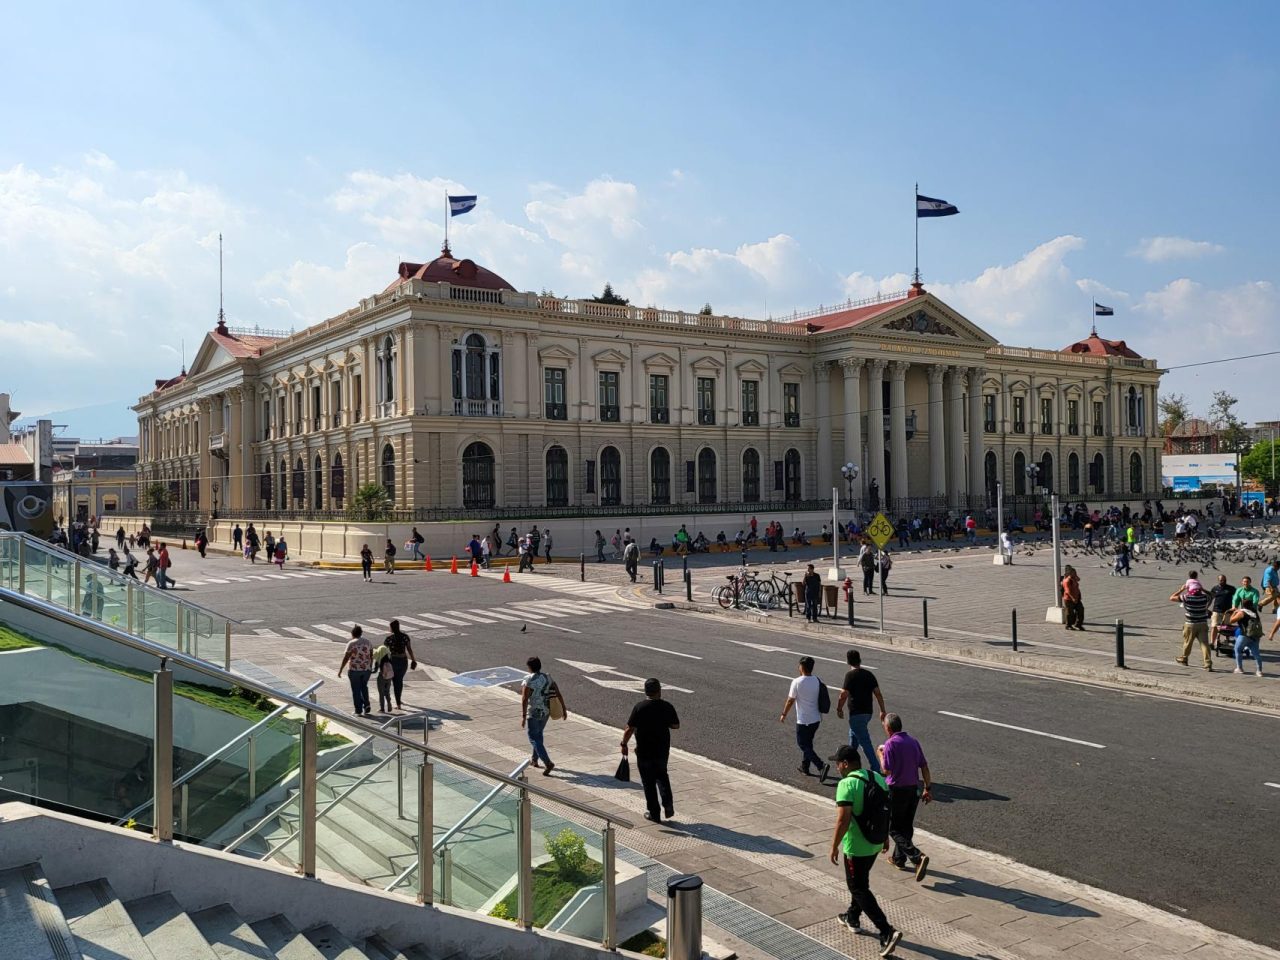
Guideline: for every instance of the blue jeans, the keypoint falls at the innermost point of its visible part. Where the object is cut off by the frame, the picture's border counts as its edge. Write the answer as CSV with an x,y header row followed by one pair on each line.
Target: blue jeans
x,y
417,550
534,726
859,737
360,689
1245,645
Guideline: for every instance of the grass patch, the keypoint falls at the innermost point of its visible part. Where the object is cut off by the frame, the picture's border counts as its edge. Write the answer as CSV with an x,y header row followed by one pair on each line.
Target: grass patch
x,y
12,640
646,942
551,891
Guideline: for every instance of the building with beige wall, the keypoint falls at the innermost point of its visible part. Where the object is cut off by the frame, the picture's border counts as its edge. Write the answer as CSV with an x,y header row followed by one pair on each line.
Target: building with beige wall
x,y
463,396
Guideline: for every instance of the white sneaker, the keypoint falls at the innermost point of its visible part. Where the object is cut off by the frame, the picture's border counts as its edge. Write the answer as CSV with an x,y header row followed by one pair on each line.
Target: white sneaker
x,y
1259,673
1237,670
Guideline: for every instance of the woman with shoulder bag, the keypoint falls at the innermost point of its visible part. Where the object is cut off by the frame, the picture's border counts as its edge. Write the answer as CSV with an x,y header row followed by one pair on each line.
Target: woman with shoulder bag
x,y
540,700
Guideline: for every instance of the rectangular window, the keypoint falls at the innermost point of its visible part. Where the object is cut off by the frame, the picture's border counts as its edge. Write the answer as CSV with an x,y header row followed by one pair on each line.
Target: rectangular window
x,y
553,390
456,376
791,404
495,377
750,403
335,403
779,479
609,403
1098,419
989,412
357,388
1073,421
297,411
282,417
315,407
266,419
706,400
1046,415
591,476
690,477
659,402
1019,414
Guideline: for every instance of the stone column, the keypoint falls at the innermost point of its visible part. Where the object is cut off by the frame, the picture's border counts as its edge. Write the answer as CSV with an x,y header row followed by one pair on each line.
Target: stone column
x,y
852,369
898,430
955,436
203,431
235,453
937,439
875,427
977,472
408,367
822,389
246,482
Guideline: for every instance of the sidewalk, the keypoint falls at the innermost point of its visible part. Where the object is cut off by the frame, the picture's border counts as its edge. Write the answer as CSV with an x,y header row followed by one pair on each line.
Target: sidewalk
x,y
762,849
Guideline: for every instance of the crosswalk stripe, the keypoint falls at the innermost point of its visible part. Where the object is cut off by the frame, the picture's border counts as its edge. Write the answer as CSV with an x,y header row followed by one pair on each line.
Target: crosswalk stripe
x,y
540,606
208,580
195,583
275,576
468,617
325,628
421,622
528,615
304,634
587,606
451,621
496,613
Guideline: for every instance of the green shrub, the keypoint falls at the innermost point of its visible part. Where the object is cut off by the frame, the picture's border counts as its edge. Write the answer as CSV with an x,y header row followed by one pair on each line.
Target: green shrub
x,y
569,851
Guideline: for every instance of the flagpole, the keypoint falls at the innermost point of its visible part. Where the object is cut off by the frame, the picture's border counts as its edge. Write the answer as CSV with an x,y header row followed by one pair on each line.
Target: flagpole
x,y
1093,322
916,203
446,220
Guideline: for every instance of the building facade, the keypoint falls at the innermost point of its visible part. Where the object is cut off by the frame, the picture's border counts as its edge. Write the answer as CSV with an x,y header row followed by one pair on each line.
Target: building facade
x,y
458,393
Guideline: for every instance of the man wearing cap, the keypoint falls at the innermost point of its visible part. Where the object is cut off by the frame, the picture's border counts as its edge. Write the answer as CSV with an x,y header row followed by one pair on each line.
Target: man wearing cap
x,y
904,767
859,854
803,695
652,721
1195,604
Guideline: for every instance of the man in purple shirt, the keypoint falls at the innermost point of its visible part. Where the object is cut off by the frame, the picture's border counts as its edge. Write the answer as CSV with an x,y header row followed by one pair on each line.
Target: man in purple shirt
x,y
904,768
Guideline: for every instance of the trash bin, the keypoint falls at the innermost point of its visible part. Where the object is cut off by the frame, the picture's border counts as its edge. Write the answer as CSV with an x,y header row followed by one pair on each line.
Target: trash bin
x,y
684,917
799,588
831,598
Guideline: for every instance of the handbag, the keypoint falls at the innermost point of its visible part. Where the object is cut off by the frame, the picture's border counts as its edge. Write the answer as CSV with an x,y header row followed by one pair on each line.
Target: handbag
x,y
554,704
624,770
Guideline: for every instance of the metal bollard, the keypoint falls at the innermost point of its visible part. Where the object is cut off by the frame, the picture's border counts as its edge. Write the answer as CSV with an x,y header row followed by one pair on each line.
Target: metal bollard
x,y
685,560
688,586
1014,616
582,567
735,593
684,917
851,617
926,618
1120,644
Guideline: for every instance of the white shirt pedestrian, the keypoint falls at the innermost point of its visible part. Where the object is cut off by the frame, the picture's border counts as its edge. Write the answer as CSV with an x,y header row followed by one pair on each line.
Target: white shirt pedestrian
x,y
804,691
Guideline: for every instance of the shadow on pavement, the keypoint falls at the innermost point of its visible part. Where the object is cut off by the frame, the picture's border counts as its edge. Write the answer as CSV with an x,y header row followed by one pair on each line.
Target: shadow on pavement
x,y
952,792
1032,903
734,840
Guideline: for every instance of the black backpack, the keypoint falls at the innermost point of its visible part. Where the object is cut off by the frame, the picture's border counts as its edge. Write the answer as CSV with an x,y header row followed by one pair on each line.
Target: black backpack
x,y
873,821
824,698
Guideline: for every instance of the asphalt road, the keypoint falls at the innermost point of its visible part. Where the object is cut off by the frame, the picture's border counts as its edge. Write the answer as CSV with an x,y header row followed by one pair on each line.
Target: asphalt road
x,y
1168,802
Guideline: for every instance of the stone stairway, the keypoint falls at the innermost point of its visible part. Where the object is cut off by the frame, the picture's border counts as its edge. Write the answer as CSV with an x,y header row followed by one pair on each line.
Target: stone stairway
x,y
87,921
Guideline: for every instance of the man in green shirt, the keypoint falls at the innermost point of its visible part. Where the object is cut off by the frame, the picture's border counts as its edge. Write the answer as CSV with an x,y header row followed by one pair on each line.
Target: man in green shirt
x,y
1245,591
859,853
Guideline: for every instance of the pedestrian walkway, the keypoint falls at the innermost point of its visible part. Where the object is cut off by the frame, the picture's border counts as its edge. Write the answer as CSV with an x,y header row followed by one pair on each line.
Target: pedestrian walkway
x,y
762,848
578,588
268,573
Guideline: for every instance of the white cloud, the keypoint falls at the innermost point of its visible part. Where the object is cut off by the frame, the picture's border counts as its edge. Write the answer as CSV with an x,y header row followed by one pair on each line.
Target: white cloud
x,y
605,210
1160,249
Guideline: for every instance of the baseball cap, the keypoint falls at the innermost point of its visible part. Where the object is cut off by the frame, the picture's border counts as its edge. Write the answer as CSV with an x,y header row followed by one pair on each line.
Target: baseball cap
x,y
845,754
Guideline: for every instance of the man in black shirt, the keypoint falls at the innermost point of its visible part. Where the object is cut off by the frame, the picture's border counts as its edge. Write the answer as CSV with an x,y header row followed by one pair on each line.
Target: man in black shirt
x,y
1219,606
859,687
812,594
652,721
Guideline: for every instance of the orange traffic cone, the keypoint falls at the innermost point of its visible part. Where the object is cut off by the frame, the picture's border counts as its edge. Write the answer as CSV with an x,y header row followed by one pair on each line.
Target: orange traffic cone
x,y
428,566
453,567
475,569
506,574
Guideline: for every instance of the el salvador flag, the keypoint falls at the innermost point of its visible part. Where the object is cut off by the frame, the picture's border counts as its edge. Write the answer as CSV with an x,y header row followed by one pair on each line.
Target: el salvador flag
x,y
1100,311
929,207
460,205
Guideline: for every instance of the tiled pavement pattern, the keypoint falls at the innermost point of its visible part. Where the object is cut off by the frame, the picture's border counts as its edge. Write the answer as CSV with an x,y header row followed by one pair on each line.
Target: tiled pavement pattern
x,y
764,844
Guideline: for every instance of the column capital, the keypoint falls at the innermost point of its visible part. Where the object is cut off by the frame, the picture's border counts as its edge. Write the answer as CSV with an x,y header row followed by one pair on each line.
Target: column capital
x,y
822,372
852,366
234,394
204,404
899,369
876,367
936,372
976,376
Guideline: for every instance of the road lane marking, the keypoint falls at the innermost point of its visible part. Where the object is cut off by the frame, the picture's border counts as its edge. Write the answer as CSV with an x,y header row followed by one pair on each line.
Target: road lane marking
x,y
304,634
496,613
674,653
444,620
1270,784
422,621
1009,726
325,628
544,610
556,626
468,617
783,676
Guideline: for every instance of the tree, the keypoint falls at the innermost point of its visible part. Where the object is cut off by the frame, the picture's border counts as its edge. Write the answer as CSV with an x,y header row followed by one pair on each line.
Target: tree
x,y
1174,412
1230,427
1261,464
706,310
608,296
371,502
156,497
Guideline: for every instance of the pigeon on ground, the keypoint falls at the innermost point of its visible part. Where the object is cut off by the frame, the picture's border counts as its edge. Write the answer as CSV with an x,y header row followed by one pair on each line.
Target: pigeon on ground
x,y
524,628
945,566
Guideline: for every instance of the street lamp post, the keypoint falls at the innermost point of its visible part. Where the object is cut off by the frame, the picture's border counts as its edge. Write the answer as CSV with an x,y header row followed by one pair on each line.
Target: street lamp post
x,y
998,559
215,500
850,473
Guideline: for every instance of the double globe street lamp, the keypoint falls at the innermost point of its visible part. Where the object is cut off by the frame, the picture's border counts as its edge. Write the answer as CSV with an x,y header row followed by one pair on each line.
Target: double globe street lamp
x,y
850,473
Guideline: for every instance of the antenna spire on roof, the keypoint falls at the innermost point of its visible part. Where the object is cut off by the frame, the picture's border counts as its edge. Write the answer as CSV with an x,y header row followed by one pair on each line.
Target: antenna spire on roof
x,y
222,316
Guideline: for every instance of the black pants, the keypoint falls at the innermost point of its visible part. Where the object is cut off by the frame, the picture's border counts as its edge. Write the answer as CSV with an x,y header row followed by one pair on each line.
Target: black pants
x,y
902,823
811,605
384,694
654,779
868,580
400,666
805,732
633,567
857,877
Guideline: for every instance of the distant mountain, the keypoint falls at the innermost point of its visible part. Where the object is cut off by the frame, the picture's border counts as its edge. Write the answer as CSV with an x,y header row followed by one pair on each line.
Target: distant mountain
x,y
102,421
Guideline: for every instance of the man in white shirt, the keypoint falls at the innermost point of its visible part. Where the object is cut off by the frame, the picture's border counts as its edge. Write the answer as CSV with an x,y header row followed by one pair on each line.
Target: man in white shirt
x,y
803,695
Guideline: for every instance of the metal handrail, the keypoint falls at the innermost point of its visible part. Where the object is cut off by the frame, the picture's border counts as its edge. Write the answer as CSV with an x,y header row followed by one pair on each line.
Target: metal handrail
x,y
162,653
231,744
276,812
453,831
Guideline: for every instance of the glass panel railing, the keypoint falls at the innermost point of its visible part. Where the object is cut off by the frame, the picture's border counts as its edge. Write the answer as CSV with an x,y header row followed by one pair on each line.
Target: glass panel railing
x,y
568,874
477,865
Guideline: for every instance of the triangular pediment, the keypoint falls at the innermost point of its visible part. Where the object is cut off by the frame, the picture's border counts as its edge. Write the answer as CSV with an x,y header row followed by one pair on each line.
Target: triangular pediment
x,y
707,363
609,356
792,370
556,352
926,318
660,360
751,366
210,356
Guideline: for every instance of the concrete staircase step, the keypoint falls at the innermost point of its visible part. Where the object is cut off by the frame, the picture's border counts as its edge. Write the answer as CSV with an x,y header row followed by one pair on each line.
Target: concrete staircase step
x,y
31,923
284,940
376,948
167,928
102,926
230,935
333,945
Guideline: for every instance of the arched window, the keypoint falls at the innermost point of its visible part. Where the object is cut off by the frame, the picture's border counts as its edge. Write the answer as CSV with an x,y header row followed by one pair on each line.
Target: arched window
x,y
477,476
1046,471
1132,407
388,370
1073,475
750,475
389,472
791,474
264,486
299,482
1019,473
660,476
557,477
317,475
706,475
477,380
991,473
1097,478
337,481
1135,473
284,485
610,476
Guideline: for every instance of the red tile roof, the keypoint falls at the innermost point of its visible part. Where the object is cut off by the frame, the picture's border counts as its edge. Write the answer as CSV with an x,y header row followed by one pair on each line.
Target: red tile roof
x,y
1100,347
851,318
445,269
242,345
172,382
14,455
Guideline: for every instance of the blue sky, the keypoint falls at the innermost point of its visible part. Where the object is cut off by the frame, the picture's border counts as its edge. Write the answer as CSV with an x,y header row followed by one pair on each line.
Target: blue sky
x,y
756,156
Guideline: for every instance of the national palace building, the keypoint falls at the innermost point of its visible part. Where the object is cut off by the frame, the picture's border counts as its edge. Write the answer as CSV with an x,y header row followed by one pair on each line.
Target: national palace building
x,y
457,392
